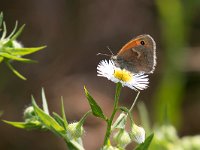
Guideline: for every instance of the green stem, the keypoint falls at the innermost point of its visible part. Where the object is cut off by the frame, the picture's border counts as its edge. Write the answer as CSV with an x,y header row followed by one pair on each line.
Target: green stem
x,y
134,101
109,121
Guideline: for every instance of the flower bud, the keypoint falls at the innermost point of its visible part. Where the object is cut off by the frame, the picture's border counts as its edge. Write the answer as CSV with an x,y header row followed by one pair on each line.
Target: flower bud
x,y
29,113
137,134
120,121
122,138
74,130
16,44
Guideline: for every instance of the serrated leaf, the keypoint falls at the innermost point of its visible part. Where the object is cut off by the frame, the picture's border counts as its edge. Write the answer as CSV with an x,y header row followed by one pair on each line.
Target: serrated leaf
x,y
25,125
48,121
96,109
22,51
44,103
145,145
13,57
15,71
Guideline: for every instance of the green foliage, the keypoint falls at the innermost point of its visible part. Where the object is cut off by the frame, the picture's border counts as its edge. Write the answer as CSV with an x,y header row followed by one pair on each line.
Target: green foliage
x,y
96,109
145,145
63,114
42,120
59,120
46,119
12,50
26,125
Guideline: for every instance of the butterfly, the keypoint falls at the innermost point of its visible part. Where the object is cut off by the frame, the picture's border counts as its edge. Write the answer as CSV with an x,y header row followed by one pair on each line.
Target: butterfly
x,y
138,55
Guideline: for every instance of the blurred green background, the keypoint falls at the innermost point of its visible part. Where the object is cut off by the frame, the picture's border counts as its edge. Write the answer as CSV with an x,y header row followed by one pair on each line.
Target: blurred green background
x,y
74,32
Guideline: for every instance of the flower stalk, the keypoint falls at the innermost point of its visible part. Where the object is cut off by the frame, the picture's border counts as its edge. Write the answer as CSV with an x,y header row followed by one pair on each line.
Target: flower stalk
x,y
134,102
109,121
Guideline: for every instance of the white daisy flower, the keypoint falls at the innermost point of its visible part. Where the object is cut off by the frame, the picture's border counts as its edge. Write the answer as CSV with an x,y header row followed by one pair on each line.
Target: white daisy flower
x,y
111,72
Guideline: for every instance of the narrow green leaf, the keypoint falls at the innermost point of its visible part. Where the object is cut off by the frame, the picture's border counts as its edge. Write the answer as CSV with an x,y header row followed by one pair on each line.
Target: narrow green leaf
x,y
13,31
21,125
15,71
25,125
44,103
13,57
96,109
145,145
58,119
22,51
4,31
63,113
82,120
48,121
1,18
15,36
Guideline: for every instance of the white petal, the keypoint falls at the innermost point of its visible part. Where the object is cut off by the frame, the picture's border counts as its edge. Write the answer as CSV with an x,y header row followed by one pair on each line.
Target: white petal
x,y
107,68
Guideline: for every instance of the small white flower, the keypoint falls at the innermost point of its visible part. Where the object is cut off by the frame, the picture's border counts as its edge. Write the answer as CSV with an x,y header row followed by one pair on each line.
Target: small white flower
x,y
111,72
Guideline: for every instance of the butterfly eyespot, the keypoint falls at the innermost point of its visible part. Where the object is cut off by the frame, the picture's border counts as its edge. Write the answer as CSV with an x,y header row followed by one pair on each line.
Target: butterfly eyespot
x,y
142,43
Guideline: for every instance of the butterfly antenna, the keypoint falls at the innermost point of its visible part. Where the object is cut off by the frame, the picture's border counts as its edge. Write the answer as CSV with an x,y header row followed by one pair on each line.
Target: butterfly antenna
x,y
110,50
103,54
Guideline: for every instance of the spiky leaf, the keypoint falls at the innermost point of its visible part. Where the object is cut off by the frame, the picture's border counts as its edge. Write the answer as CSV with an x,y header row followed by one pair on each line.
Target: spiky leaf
x,y
96,109
47,120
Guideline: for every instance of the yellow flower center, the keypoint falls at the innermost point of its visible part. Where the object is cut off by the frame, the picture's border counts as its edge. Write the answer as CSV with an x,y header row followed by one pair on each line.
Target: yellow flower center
x,y
123,75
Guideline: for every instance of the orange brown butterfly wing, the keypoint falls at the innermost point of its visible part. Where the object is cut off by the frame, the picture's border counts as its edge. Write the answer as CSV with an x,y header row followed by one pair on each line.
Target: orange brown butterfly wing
x,y
138,55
